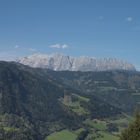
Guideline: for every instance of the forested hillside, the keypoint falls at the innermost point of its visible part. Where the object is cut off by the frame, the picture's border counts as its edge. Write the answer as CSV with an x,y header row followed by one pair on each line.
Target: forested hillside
x,y
118,88
36,103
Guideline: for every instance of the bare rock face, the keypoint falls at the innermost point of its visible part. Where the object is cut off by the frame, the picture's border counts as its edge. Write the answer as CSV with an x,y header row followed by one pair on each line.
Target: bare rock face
x,y
61,62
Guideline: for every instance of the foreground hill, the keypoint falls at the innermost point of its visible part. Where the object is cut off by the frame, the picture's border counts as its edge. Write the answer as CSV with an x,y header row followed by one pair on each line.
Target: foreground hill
x,y
34,103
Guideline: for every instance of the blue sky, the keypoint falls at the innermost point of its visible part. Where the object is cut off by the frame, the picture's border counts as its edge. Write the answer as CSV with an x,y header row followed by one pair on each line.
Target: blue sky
x,y
99,28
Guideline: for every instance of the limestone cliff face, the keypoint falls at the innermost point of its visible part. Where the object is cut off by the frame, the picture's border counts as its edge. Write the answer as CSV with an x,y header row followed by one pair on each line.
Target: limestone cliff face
x,y
61,62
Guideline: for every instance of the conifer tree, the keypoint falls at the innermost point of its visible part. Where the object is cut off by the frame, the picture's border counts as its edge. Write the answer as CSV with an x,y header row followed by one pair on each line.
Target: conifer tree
x,y
133,130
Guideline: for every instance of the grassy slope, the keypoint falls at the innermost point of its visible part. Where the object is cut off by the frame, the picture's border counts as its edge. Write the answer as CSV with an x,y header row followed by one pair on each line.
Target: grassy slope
x,y
98,130
62,135
75,105
81,98
107,136
96,124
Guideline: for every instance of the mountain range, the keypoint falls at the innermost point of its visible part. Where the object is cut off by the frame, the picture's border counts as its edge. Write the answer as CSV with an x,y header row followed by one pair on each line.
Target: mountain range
x,y
61,62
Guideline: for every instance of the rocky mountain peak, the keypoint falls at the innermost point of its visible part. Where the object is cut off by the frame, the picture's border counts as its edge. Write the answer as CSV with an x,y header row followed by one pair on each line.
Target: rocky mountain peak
x,y
61,62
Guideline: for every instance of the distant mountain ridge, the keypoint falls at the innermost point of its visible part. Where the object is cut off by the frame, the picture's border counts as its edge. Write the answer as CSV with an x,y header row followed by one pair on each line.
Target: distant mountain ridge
x,y
61,62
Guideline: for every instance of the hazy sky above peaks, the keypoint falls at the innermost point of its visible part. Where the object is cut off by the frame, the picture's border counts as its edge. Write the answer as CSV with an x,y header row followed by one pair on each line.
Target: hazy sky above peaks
x,y
99,28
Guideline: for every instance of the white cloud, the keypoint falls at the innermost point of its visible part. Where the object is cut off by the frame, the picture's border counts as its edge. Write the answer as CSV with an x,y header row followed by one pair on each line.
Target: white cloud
x,y
25,48
59,46
16,46
129,19
32,50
